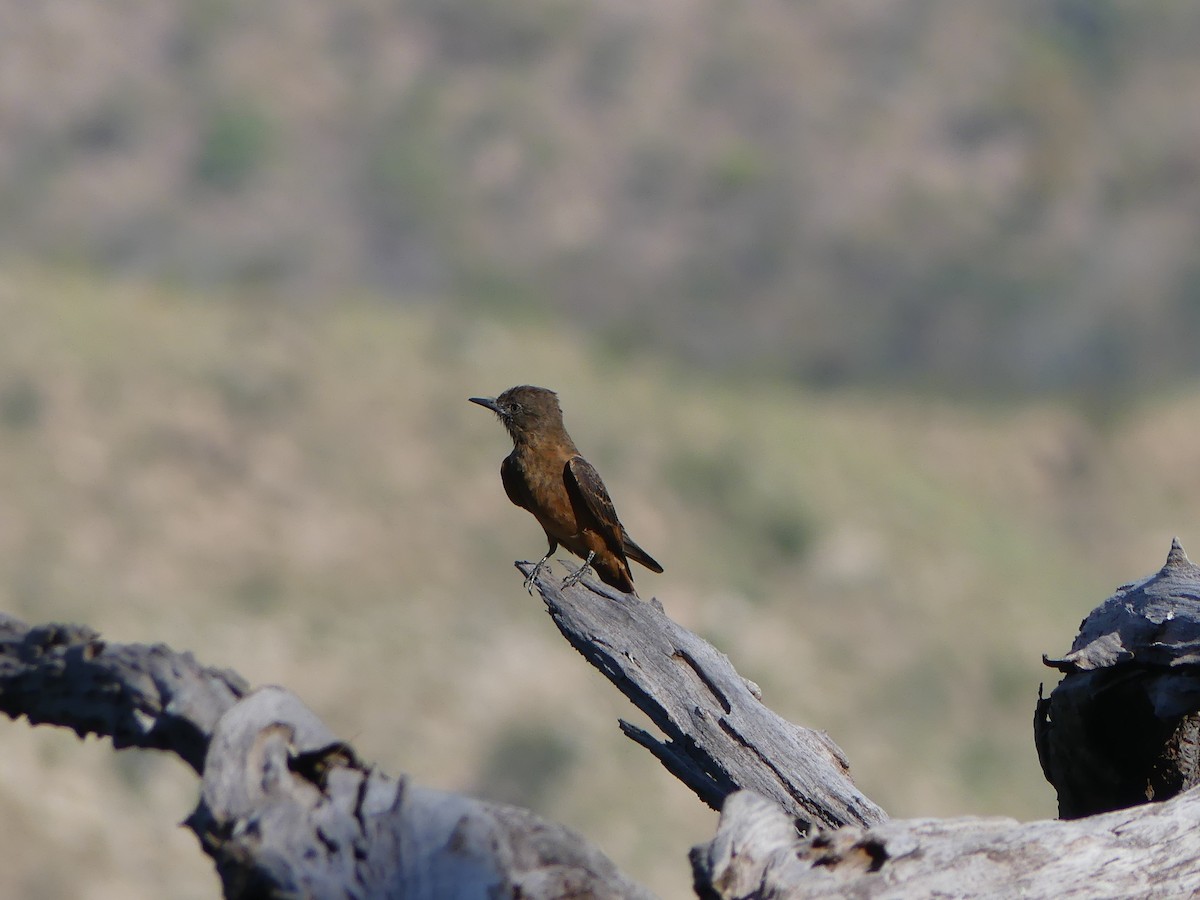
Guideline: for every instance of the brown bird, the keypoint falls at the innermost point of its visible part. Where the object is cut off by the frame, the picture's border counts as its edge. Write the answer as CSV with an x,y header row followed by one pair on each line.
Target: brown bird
x,y
546,475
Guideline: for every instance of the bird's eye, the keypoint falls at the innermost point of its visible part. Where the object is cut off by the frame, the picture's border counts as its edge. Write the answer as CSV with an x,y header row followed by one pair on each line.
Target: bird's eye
x,y
515,408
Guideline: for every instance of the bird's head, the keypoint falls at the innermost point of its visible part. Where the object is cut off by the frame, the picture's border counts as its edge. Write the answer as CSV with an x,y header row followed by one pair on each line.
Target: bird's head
x,y
524,409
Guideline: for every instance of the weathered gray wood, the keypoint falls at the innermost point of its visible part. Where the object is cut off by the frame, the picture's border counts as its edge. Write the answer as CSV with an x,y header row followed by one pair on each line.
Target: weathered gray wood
x,y
287,810
139,695
1144,852
1123,725
720,738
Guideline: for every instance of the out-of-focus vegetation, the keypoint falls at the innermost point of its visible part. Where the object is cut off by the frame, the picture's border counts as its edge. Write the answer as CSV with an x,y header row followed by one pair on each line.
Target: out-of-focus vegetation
x,y
307,497
254,257
947,193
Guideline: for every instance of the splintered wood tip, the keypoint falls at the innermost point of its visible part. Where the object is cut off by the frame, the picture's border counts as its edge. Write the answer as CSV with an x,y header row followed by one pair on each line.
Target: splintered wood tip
x,y
1177,558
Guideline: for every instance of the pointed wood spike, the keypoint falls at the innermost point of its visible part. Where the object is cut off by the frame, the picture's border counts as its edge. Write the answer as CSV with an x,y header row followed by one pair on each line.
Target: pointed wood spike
x,y
1176,558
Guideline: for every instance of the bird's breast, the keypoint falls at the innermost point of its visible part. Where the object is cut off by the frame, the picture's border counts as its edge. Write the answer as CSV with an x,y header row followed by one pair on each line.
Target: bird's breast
x,y
543,478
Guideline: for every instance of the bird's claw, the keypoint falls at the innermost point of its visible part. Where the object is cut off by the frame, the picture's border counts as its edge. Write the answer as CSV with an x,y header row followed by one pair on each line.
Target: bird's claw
x,y
531,581
532,577
575,577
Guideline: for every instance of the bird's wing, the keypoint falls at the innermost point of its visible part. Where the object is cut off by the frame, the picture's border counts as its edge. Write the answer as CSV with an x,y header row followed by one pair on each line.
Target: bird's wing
x,y
514,484
583,481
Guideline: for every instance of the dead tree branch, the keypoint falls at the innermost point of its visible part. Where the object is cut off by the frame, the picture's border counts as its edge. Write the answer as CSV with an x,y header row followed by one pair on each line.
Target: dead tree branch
x,y
137,694
287,810
1143,852
719,737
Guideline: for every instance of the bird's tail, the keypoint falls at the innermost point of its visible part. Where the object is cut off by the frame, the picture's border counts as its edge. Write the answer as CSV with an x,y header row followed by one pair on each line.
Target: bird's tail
x,y
637,554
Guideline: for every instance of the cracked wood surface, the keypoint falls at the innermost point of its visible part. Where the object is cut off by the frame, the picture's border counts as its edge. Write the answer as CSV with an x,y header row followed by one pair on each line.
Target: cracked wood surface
x,y
1147,852
719,737
287,810
281,790
139,695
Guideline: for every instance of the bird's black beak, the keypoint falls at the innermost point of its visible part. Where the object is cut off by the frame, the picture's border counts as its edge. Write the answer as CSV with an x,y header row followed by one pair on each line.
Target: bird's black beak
x,y
489,402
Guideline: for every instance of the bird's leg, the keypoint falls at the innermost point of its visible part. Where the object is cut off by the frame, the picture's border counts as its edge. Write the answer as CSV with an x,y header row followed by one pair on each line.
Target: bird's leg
x,y
533,573
574,578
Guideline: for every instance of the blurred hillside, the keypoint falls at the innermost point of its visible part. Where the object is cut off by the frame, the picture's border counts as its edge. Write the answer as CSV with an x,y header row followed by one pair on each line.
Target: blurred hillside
x,y
947,193
306,496
255,257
